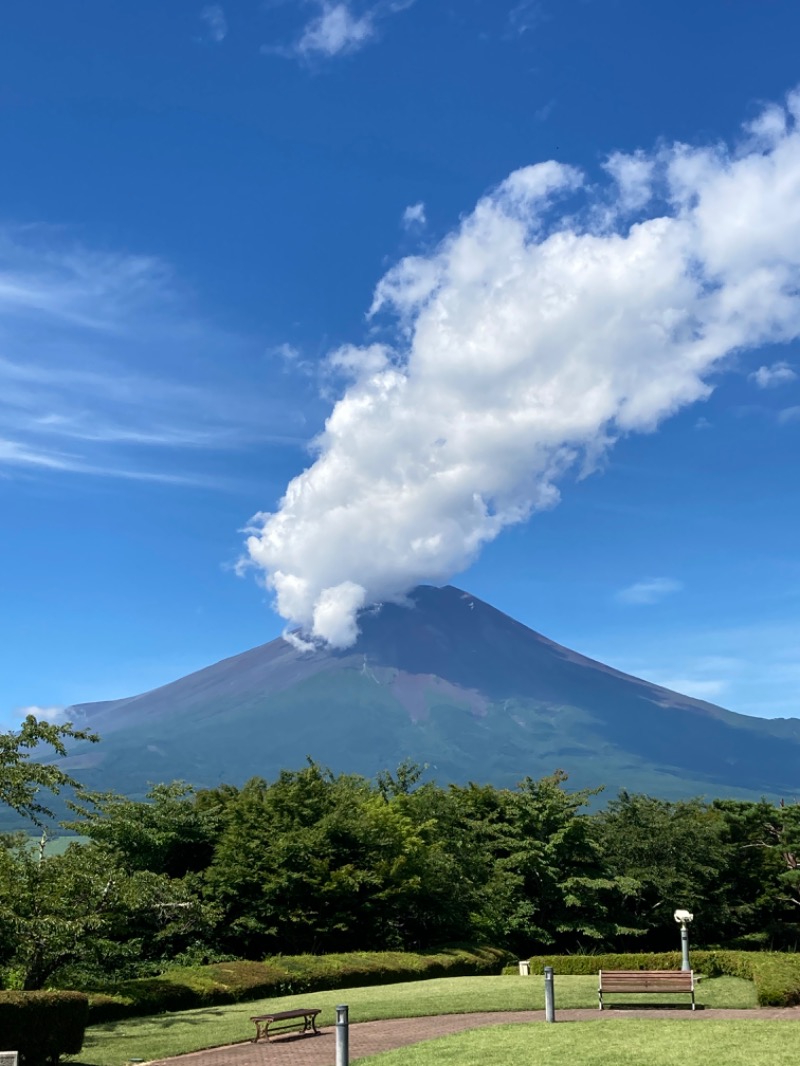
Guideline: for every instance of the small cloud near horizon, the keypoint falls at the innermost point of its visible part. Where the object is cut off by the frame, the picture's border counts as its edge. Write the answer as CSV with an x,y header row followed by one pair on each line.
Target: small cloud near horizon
x,y
54,715
699,689
651,590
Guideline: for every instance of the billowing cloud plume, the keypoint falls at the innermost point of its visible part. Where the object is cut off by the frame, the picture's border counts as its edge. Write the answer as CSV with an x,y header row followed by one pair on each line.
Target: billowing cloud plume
x,y
549,323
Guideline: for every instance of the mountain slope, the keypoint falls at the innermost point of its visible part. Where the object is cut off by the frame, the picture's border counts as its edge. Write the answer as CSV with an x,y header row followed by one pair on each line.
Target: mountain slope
x,y
448,681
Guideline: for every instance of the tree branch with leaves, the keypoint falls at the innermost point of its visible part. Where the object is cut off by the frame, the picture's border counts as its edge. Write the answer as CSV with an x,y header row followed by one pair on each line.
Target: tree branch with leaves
x,y
23,777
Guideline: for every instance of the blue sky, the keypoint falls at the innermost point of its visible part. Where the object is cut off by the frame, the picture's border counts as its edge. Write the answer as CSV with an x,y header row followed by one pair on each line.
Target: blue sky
x,y
199,205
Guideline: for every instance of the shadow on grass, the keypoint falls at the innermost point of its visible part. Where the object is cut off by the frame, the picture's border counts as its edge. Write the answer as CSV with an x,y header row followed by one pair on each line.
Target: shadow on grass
x,y
653,1006
285,1038
197,1017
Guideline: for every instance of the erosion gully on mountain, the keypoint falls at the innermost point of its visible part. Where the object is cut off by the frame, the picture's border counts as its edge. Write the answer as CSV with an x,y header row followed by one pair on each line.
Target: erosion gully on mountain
x,y
449,682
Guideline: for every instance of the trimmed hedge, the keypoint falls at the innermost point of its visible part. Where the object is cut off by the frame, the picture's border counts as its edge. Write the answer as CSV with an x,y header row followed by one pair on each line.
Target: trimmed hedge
x,y
42,1026
775,974
285,975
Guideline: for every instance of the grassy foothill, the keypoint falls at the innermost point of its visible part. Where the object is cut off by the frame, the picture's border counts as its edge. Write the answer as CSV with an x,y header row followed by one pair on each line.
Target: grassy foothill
x,y
163,1035
618,1042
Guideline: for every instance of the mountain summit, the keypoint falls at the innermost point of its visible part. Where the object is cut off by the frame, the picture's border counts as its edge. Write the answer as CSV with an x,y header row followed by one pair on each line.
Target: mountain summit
x,y
447,681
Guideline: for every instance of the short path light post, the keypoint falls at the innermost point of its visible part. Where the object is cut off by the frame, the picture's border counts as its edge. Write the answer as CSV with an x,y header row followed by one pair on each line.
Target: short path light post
x,y
684,917
549,995
342,1036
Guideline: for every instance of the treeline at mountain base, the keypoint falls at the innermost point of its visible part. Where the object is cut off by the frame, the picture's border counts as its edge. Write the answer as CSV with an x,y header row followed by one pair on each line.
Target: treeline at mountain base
x,y
318,863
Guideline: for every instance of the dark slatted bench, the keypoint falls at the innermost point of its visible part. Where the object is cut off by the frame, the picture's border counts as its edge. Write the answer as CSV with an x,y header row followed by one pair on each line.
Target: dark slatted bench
x,y
645,981
291,1020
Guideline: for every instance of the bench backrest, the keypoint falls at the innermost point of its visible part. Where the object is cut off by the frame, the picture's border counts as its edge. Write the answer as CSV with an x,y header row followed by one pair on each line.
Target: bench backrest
x,y
646,980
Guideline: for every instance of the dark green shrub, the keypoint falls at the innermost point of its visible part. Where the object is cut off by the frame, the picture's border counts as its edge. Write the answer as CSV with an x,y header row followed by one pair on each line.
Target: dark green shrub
x,y
590,964
42,1026
776,975
227,982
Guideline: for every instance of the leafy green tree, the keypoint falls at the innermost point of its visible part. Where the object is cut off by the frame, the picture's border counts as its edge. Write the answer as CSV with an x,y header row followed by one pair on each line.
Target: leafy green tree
x,y
447,902
86,911
22,778
167,833
546,883
675,853
762,877
314,862
754,911
784,832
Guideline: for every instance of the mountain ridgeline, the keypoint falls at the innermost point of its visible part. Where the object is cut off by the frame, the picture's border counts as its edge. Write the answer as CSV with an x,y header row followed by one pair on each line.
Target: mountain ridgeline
x,y
447,681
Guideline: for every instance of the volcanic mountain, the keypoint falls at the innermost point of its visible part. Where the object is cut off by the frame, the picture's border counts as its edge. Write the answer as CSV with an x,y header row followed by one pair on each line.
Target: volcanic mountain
x,y
446,681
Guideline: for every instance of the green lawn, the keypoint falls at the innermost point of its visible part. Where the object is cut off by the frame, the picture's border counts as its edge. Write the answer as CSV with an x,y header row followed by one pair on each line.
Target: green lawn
x,y
621,1042
173,1034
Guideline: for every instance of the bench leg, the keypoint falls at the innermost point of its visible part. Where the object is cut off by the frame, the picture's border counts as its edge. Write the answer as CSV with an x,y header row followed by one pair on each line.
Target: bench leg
x,y
600,998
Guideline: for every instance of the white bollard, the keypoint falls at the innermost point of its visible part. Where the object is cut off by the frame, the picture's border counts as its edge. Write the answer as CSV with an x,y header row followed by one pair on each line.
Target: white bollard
x,y
524,968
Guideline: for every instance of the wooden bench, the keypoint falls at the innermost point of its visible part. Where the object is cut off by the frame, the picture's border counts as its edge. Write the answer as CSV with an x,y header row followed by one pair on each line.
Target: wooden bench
x,y
645,981
291,1020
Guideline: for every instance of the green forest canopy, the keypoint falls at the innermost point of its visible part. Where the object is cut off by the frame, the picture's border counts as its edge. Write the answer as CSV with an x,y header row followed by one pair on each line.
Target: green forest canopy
x,y
317,862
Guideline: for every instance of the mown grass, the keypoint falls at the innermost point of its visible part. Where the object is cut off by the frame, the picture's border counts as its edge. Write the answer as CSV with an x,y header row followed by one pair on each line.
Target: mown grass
x,y
623,1042
157,1037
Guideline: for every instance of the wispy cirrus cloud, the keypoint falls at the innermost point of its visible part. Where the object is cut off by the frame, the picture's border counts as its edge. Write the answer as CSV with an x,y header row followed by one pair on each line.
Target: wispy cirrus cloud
x,y
650,590
525,16
543,113
752,669
107,370
339,27
701,688
216,25
768,377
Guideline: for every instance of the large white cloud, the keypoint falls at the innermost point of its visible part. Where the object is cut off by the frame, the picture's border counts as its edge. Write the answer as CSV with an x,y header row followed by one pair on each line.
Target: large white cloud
x,y
551,321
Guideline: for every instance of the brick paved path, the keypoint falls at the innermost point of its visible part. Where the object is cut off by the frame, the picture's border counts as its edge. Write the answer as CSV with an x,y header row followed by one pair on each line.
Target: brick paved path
x,y
368,1038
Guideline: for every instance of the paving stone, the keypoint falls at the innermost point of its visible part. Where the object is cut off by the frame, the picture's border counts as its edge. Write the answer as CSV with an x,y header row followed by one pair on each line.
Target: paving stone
x,y
369,1038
